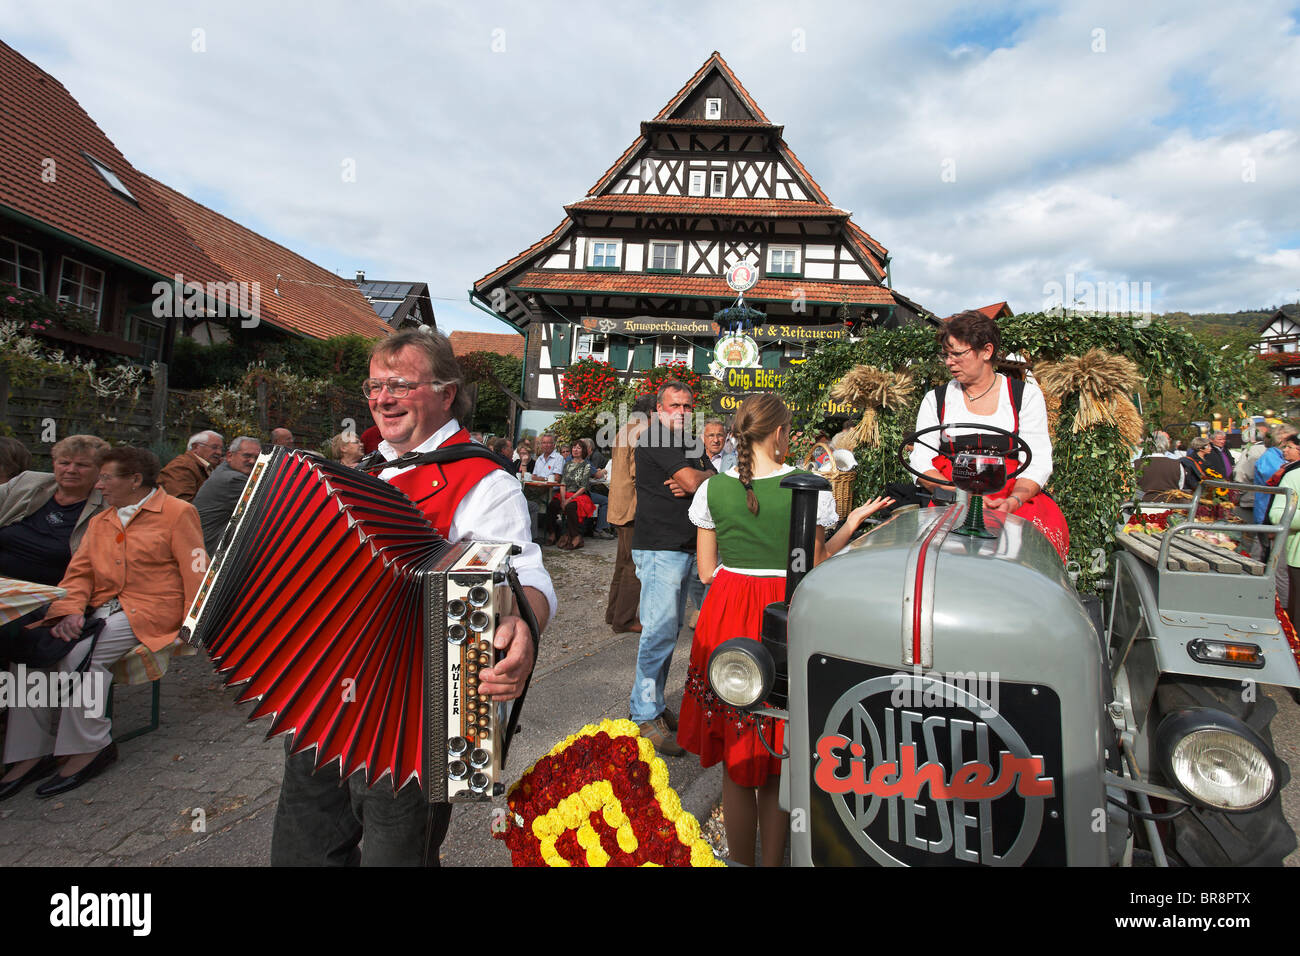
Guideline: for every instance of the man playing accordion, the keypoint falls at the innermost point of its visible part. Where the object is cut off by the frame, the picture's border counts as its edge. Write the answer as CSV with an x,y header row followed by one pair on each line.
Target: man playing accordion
x,y
416,399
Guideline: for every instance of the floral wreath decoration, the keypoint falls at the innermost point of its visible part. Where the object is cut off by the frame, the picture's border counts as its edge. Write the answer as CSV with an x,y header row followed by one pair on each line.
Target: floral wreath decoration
x,y
601,798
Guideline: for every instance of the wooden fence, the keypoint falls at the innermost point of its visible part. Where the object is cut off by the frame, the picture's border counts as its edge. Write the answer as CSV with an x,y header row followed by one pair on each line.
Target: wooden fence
x,y
41,413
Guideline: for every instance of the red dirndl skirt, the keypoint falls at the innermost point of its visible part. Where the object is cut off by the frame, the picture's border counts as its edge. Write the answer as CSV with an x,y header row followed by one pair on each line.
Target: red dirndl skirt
x,y
708,727
582,502
1040,511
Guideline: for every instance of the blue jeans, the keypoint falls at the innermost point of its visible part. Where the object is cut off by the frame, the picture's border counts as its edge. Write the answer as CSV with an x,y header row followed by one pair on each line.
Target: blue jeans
x,y
665,578
602,509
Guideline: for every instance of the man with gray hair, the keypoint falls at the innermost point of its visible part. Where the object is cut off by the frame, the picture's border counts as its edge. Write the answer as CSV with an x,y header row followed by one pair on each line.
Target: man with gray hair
x,y
217,498
187,472
1220,459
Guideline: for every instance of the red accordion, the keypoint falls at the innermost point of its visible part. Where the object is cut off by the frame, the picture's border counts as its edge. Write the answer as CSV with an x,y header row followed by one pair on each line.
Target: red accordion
x,y
357,628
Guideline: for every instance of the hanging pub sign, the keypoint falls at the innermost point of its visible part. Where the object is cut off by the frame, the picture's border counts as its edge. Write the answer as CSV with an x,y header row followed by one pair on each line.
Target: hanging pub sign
x,y
742,275
642,325
780,332
754,379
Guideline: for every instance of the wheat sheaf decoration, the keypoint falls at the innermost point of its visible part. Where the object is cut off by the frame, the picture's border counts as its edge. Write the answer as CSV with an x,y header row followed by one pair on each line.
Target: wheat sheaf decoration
x,y
874,390
1103,383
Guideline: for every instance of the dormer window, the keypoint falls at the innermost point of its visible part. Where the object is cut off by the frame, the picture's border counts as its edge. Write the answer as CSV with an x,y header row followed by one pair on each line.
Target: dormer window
x,y
713,108
110,177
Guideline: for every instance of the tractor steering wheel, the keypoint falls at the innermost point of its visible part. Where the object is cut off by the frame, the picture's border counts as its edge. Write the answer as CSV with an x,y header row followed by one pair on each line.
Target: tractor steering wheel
x,y
1020,448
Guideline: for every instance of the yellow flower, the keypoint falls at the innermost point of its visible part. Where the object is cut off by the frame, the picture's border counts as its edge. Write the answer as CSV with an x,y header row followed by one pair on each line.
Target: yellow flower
x,y
646,749
596,855
614,815
605,789
622,728
702,855
587,837
590,798
572,812
669,803
688,830
648,863
588,731
658,774
543,827
627,841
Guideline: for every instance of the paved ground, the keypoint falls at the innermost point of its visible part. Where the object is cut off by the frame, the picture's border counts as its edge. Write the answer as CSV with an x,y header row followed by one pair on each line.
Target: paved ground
x,y
206,757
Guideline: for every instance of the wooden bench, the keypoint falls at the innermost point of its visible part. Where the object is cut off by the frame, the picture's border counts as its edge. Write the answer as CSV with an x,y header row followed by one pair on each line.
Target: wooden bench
x,y
1188,554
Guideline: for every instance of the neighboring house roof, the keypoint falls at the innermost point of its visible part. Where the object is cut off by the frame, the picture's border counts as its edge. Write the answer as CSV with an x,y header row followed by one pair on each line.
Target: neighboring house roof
x,y
463,343
310,300
394,302
1284,312
998,310
46,181
765,290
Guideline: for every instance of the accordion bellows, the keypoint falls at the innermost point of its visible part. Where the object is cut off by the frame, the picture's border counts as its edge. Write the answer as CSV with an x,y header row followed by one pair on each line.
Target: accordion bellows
x,y
317,604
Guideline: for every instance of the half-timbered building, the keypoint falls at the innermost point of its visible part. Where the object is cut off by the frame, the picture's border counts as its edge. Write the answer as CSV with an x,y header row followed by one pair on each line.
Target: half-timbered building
x,y
634,274
1279,345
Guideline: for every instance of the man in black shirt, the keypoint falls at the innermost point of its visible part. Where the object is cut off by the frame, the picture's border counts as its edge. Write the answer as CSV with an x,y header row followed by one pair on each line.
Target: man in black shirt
x,y
663,548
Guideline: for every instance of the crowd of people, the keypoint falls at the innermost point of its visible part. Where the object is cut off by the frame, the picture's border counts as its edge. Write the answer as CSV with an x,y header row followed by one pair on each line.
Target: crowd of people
x,y
699,515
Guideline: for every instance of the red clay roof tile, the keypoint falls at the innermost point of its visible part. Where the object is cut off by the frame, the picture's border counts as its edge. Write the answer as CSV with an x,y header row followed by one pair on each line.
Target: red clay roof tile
x,y
640,283
311,300
44,177
463,343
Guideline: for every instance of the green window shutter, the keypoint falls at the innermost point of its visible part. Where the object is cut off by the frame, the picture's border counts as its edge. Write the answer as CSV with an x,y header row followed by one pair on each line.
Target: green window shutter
x,y
618,355
561,344
643,357
702,358
771,357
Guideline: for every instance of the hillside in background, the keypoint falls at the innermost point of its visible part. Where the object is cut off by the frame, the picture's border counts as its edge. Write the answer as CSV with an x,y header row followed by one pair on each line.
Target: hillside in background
x,y
1227,326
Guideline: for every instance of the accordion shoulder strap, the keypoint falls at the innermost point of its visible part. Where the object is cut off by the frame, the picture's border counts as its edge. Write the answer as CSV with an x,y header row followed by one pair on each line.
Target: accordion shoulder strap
x,y
439,456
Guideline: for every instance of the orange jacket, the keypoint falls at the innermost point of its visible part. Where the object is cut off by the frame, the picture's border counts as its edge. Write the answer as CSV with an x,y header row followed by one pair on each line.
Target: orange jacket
x,y
154,567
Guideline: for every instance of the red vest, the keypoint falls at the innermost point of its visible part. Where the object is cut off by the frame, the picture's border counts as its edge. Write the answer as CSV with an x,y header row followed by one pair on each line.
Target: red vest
x,y
438,492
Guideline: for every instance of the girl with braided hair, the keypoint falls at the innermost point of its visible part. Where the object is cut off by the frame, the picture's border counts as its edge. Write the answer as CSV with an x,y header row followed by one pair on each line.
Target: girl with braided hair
x,y
743,522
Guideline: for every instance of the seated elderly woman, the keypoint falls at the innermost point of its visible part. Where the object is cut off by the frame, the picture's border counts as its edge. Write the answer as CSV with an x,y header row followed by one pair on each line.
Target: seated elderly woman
x,y
43,516
572,498
136,570
346,448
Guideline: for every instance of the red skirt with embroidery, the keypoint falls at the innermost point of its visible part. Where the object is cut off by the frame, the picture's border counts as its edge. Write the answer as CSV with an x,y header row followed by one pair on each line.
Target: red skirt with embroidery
x,y
582,503
1040,511
708,727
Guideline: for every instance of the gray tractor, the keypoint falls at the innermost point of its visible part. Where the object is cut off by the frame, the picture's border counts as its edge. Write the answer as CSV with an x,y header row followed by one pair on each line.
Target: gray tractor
x,y
949,699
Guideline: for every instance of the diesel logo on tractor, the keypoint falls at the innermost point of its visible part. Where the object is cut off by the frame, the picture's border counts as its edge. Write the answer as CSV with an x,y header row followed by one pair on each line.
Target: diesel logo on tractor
x,y
947,778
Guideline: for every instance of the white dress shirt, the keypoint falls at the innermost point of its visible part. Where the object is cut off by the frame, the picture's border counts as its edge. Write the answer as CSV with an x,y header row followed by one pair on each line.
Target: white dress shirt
x,y
1033,426
546,465
493,510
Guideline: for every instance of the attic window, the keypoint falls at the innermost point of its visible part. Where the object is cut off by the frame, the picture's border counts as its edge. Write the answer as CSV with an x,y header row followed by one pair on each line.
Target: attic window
x,y
110,177
713,108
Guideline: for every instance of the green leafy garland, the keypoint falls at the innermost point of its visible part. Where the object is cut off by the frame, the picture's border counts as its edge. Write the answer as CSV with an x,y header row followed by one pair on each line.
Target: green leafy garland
x,y
1092,475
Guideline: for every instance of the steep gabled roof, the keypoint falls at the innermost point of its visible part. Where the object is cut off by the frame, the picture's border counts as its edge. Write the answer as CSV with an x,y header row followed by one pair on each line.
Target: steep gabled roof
x,y
46,180
310,300
515,260
715,60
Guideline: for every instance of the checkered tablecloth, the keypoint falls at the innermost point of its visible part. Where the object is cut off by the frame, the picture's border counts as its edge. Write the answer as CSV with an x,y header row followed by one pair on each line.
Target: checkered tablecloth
x,y
22,597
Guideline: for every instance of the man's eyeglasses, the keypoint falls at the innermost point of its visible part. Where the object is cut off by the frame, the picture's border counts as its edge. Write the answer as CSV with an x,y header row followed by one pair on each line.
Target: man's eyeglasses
x,y
397,387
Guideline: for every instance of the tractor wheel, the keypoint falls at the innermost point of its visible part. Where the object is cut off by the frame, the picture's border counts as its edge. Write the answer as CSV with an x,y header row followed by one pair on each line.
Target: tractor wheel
x,y
1202,837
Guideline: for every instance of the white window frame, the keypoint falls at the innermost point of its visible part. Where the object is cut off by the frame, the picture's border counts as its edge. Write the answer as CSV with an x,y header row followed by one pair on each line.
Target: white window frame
x,y
81,286
713,108
17,263
663,346
677,255
618,253
714,189
698,179
590,345
771,253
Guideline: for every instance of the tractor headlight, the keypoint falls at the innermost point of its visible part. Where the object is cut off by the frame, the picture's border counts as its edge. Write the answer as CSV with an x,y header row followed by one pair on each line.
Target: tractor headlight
x,y
1216,759
741,672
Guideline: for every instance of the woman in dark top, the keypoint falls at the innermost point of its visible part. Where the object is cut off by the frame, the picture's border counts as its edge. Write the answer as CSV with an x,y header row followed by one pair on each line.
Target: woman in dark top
x,y
1196,463
43,516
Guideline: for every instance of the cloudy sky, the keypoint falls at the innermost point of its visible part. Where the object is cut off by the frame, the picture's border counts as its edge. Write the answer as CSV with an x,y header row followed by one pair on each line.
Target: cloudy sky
x,y
999,151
